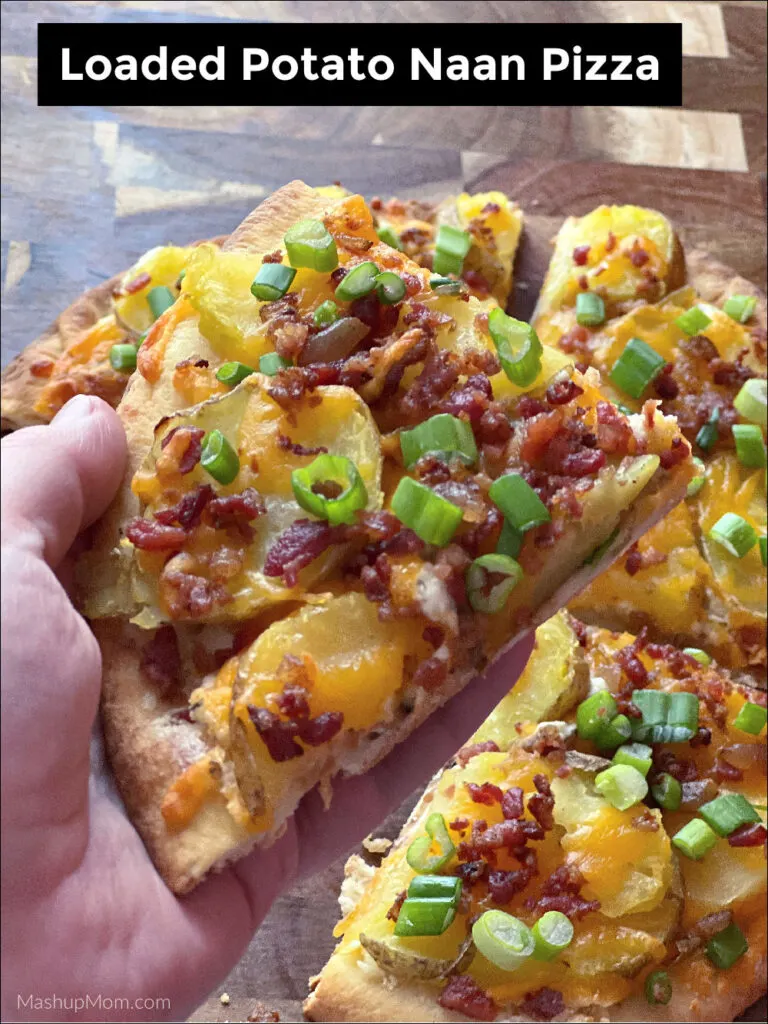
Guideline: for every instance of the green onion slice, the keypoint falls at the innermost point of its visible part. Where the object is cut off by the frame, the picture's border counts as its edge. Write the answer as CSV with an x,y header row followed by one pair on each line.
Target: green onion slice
x,y
446,285
490,581
735,534
694,839
658,988
310,244
160,299
503,939
752,401
698,481
451,246
219,458
613,733
763,545
360,281
750,446
636,367
419,854
519,503
667,792
728,946
728,812
431,517
594,712
326,313
552,933
601,548
667,717
435,887
590,309
424,917
510,540
123,358
751,718
622,786
696,652
518,347
389,237
331,488
441,433
272,363
707,437
390,288
636,755
233,373
740,307
693,321
272,281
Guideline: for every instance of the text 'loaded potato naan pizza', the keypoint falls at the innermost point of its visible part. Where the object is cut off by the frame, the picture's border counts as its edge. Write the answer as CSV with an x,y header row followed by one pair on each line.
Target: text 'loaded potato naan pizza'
x,y
352,484
595,852
615,298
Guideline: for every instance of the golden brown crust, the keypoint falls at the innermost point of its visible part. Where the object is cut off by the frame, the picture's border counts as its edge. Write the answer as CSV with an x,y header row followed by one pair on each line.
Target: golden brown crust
x,y
20,388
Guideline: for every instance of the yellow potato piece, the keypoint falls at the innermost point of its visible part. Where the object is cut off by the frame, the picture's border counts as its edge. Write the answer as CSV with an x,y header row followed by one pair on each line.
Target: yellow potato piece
x,y
164,264
253,423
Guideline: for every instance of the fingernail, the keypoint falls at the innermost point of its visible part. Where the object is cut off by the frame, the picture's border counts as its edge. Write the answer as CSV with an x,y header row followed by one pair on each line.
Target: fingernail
x,y
76,410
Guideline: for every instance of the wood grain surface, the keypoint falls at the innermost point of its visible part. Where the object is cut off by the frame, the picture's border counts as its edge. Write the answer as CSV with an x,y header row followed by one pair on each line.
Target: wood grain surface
x,y
87,190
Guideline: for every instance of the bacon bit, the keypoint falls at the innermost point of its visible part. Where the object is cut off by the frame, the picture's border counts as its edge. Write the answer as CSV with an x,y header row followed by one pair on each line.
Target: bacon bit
x,y
190,596
703,737
42,368
541,803
412,284
583,282
665,385
352,243
433,635
748,835
237,510
394,911
280,736
303,542
481,323
431,673
471,400
273,257
561,892
539,433
543,1004
137,284
490,208
151,536
682,666
528,407
637,559
562,392
464,995
678,452
575,340
580,255
188,511
730,375
507,834
614,434
512,803
426,317
379,319
472,872
161,661
545,741
288,445
503,885
476,282
646,822
465,755
638,257
665,761
631,665
610,243
186,447
485,793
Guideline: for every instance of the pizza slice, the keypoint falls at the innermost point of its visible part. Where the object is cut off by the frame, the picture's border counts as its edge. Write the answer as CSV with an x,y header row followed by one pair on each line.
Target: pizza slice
x,y
595,852
701,353
382,482
84,351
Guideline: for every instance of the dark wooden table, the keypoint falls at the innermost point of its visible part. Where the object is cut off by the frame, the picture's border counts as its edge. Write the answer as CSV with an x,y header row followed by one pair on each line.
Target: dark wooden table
x,y
86,191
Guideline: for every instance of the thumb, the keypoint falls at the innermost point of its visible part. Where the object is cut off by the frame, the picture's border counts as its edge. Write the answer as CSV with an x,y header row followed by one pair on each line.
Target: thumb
x,y
58,479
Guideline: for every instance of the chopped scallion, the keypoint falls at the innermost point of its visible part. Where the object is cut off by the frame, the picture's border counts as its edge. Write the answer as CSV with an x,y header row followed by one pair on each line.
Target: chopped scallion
x,y
419,854
519,503
701,656
310,244
360,281
636,367
123,358
590,309
503,939
752,401
552,933
160,299
693,321
751,718
326,313
272,363
667,792
735,534
698,481
389,236
750,447
728,812
518,347
637,755
622,786
740,307
490,581
728,946
424,917
707,437
441,433
451,246
331,488
390,288
219,458
233,373
694,839
431,517
272,282
658,988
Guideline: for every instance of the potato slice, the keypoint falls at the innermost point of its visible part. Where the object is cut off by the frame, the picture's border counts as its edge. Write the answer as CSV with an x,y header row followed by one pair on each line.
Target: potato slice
x,y
335,418
163,265
352,663
555,679
611,233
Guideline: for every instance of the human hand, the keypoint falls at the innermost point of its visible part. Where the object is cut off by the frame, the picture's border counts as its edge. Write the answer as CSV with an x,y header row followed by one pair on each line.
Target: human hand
x,y
85,913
